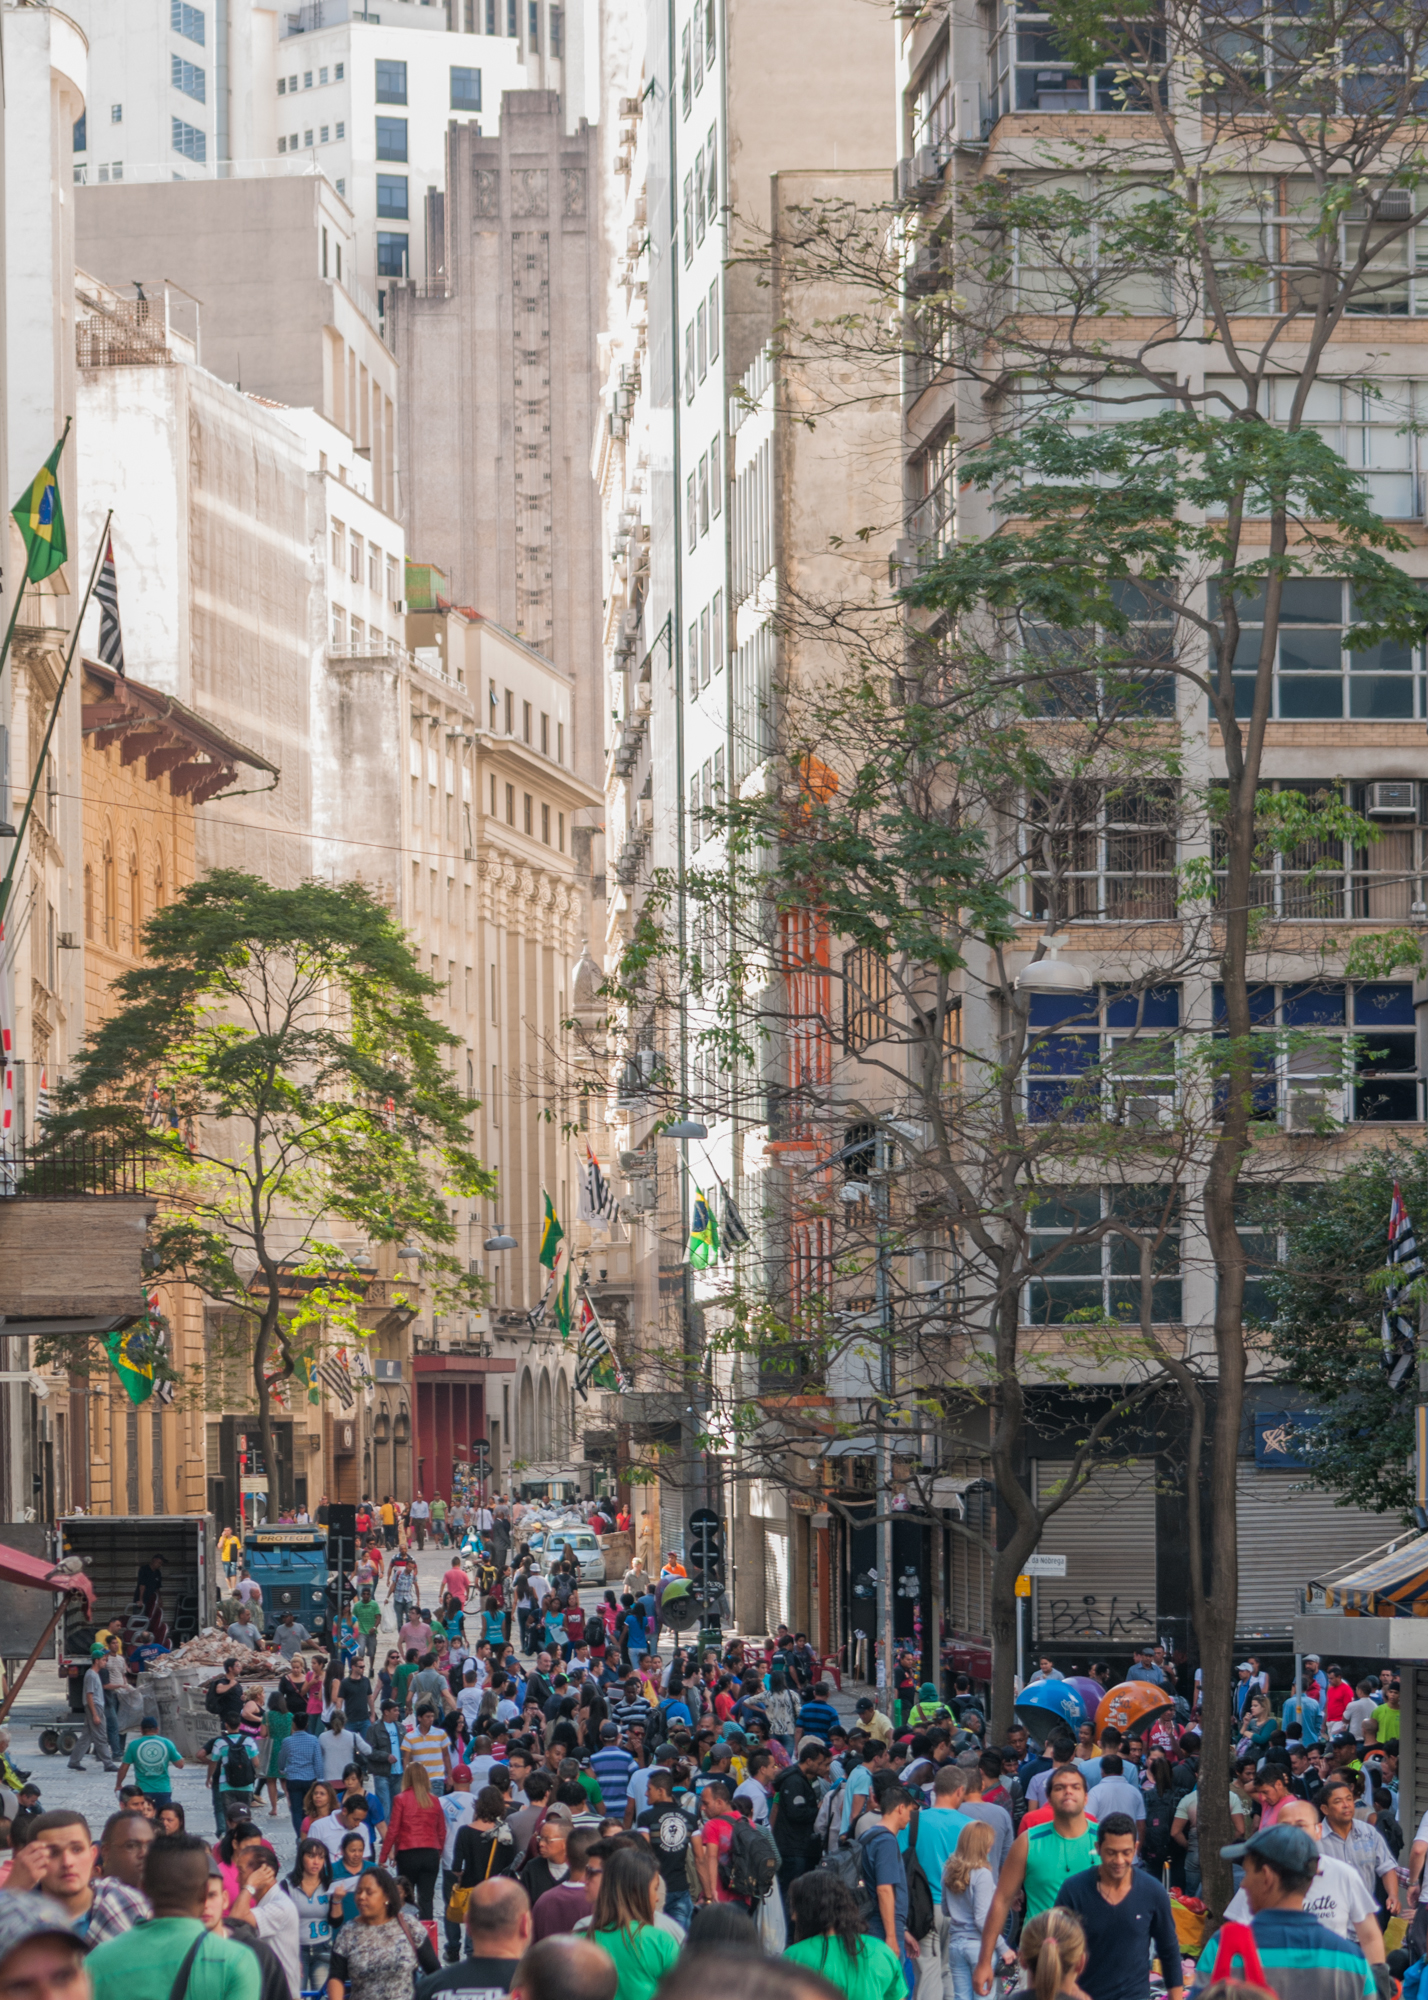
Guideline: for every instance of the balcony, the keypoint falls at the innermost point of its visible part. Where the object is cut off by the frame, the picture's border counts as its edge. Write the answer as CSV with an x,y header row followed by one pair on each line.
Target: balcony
x,y
73,1226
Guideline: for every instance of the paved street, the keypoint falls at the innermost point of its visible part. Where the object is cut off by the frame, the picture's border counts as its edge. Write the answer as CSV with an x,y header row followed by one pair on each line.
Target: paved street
x,y
92,1790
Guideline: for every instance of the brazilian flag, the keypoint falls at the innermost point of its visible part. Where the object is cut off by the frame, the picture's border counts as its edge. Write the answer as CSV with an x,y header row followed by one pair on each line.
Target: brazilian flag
x,y
703,1233
131,1356
551,1235
41,520
562,1305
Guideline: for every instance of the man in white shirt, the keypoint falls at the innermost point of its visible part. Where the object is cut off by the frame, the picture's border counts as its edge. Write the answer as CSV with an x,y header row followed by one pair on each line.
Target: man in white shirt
x,y
1361,1708
1338,1898
758,1785
246,1591
469,1699
333,1829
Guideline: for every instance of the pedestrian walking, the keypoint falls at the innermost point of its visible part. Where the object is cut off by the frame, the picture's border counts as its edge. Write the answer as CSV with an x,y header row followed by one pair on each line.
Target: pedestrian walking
x,y
373,1952
94,1733
309,1887
1122,1909
829,1940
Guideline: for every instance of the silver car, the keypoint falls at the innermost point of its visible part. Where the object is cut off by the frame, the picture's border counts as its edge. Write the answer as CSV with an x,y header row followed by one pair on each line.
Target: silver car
x,y
582,1543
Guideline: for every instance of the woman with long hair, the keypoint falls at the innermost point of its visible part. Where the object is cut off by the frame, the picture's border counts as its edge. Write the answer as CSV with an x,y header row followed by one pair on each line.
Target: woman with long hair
x,y
376,1953
1053,1951
623,1925
486,1846
829,1939
416,1834
781,1709
319,1802
594,1709
968,1886
170,1819
309,1887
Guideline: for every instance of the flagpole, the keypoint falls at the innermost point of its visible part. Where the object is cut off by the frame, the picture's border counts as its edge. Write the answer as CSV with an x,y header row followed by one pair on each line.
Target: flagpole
x,y
25,579
7,883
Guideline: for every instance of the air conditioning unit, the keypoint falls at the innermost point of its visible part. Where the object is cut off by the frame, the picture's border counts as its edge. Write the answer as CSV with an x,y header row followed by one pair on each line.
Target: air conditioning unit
x,y
1395,205
1393,798
902,180
969,117
927,169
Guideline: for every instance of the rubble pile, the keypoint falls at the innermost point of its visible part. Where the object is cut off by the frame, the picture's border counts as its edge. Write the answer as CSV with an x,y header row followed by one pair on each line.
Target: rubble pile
x,y
211,1649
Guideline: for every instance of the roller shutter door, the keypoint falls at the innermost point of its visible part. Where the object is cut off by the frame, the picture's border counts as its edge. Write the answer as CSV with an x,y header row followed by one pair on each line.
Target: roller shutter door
x,y
1288,1532
778,1608
1107,1534
969,1592
1413,1747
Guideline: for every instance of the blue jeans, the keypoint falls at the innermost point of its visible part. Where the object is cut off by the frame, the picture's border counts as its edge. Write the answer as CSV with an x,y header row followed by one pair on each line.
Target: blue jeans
x,y
297,1790
382,1791
679,1904
111,1725
959,1964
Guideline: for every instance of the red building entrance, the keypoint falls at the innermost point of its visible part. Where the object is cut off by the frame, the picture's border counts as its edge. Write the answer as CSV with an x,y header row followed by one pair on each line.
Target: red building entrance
x,y
450,1414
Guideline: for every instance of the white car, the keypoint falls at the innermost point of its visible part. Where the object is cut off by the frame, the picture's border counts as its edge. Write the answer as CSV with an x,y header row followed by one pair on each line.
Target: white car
x,y
583,1544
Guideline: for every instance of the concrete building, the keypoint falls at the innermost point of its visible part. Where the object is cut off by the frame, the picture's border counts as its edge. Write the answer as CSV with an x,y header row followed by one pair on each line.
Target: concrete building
x,y
711,506
273,302
498,379
458,750
363,94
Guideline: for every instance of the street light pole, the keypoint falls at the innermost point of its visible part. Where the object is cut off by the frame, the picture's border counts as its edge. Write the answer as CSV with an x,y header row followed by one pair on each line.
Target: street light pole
x,y
887,1385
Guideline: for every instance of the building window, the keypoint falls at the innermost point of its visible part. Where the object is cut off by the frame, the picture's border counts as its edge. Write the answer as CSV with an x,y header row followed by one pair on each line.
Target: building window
x,y
560,742
713,317
493,795
1107,1054
510,713
690,382
88,901
187,21
691,510
354,559
1030,71
701,342
391,254
560,831
932,105
1373,427
711,174
688,218
686,73
708,32
342,190
337,72
465,89
703,470
339,545
1102,1276
392,197
533,27
528,811
322,135
1334,1054
111,898
511,26
341,130
557,33
525,722
699,196
1102,851
867,1000
510,805
716,631
545,736
545,824
702,666
116,114
189,141
696,815
716,477
339,627
1316,677
307,136
80,135
1330,878
392,139
490,17
391,82
307,79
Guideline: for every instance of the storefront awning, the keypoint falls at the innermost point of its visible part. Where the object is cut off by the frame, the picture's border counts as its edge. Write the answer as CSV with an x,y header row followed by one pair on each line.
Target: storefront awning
x,y
1394,1585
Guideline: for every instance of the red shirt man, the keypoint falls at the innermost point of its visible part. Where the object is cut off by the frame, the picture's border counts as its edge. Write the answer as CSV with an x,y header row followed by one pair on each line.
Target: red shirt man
x,y
457,1583
1337,1696
713,1841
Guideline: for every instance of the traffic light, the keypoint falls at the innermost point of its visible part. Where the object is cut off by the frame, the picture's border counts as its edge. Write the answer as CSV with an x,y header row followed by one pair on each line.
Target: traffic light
x,y
705,1541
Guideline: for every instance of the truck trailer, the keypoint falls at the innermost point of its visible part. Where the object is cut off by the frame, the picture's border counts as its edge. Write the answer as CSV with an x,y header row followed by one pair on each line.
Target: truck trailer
x,y
113,1549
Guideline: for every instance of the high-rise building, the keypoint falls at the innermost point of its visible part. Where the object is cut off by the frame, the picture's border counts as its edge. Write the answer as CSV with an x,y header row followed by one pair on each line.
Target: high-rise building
x,y
498,380
705,511
193,91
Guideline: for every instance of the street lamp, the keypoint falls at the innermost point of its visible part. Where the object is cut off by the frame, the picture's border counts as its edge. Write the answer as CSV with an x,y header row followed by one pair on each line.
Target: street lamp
x,y
1053,974
685,1128
501,1241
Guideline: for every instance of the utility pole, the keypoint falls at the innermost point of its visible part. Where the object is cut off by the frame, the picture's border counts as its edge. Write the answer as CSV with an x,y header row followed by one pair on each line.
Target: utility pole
x,y
888,1388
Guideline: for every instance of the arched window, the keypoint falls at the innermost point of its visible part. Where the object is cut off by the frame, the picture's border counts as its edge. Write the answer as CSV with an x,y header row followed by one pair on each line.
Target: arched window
x,y
525,1418
159,884
111,898
543,1446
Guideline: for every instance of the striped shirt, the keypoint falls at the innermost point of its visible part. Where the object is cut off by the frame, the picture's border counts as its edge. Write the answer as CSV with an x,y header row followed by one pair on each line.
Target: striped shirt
x,y
613,1768
1303,1959
1364,1849
626,1712
427,1747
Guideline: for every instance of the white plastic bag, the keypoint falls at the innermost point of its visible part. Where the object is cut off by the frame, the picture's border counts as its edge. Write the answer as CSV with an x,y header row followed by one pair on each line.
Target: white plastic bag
x,y
773,1930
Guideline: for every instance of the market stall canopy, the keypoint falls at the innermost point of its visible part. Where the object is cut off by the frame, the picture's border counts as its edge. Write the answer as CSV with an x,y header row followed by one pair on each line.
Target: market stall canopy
x,y
1390,1586
17,1567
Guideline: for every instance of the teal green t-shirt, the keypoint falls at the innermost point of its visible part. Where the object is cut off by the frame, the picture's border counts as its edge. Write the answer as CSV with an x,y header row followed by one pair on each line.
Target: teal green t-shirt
x,y
152,1758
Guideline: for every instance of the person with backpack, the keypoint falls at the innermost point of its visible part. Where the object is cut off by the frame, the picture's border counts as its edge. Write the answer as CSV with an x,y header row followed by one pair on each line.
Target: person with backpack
x,y
736,1863
793,1814
874,1856
232,1774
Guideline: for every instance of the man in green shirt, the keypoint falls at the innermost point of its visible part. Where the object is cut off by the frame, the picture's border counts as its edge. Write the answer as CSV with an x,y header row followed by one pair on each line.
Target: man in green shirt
x,y
1040,1860
404,1676
145,1963
152,1757
367,1616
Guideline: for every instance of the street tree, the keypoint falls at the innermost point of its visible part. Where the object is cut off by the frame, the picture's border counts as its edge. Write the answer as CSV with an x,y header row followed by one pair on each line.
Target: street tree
x,y
275,1062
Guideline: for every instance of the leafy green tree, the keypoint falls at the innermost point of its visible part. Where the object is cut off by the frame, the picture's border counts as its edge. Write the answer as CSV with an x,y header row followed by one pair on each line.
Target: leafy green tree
x,y
1325,1299
275,1061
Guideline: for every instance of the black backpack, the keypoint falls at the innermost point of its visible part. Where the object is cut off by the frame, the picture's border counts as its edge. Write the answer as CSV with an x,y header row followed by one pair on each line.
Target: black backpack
x,y
240,1773
1159,1814
847,1863
752,1866
921,1910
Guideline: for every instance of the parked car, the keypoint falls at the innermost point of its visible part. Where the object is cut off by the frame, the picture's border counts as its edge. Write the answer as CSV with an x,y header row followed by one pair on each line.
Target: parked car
x,y
583,1544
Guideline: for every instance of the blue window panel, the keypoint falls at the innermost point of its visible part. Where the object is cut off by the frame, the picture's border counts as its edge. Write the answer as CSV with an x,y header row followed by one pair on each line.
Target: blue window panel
x,y
1386,1101
1063,1055
190,141
391,254
1165,1302
81,133
1051,1010
1261,1006
187,21
188,78
391,81
1157,1008
391,138
1311,600
392,203
1073,1208
1308,697
1384,1006
1313,1007
1381,697
465,89
1052,1305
